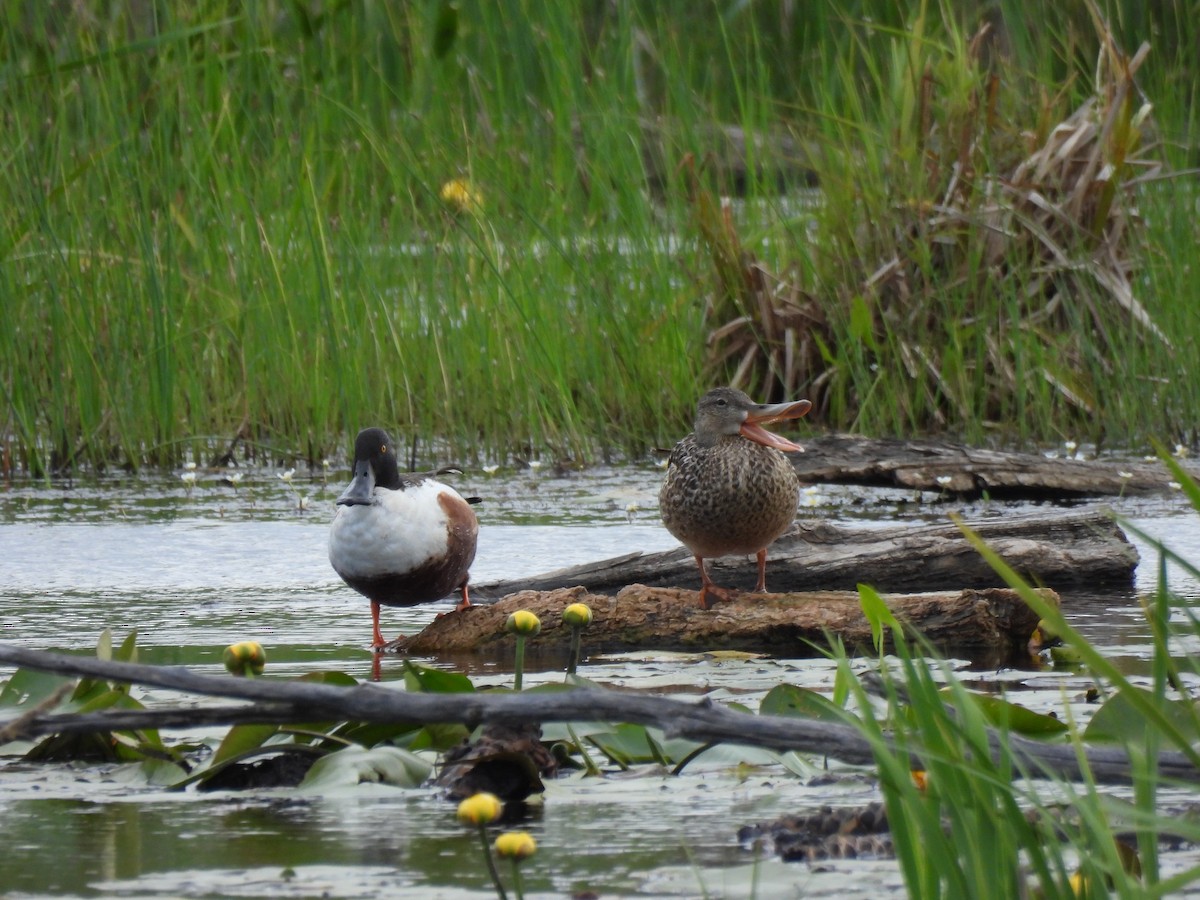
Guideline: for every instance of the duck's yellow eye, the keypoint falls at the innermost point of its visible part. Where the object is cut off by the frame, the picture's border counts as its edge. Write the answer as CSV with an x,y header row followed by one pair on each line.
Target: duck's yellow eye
x,y
383,449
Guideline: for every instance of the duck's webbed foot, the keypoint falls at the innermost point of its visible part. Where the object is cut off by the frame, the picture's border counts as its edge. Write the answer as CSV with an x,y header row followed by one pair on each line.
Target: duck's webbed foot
x,y
711,593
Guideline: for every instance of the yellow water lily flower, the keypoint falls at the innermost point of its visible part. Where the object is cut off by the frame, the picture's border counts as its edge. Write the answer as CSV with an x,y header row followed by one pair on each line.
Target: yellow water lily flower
x,y
523,623
245,658
577,615
515,845
480,809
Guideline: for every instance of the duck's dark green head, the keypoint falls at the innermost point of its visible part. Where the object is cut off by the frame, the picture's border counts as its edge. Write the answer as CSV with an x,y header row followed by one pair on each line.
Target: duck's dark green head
x,y
374,465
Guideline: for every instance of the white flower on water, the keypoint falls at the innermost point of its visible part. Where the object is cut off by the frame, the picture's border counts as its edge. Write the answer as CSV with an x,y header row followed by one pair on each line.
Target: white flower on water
x,y
1181,451
663,463
189,466
1070,446
234,478
1125,475
1175,485
810,497
490,470
944,480
188,478
286,477
534,465
302,502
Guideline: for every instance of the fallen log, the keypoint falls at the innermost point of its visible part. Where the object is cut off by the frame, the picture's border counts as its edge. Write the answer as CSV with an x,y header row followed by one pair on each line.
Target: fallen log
x,y
1059,552
282,702
790,625
970,472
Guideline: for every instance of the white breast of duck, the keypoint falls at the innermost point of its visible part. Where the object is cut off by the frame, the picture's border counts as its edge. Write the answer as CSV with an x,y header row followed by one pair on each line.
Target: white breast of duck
x,y
399,539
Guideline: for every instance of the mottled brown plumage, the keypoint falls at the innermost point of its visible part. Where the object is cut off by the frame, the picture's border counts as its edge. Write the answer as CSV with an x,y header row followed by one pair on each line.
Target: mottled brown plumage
x,y
729,490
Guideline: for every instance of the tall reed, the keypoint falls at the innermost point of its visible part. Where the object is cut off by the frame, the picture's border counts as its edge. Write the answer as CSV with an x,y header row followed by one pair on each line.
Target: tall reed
x,y
227,221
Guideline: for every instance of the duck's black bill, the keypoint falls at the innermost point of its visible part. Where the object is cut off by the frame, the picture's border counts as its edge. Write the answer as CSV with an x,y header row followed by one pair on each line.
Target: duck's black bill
x,y
361,491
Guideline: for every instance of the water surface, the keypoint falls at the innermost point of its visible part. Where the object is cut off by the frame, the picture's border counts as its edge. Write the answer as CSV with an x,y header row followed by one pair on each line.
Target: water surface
x,y
195,566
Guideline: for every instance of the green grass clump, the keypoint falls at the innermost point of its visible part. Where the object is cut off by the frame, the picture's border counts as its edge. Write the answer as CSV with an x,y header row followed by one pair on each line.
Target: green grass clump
x,y
987,823
225,223
979,254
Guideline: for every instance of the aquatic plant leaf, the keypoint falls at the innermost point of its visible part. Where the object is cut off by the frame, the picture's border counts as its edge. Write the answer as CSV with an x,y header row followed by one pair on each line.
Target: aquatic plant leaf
x,y
627,744
241,738
1014,717
1119,719
567,731
383,765
438,737
27,687
878,615
789,700
435,681
368,734
331,676
104,645
127,652
160,772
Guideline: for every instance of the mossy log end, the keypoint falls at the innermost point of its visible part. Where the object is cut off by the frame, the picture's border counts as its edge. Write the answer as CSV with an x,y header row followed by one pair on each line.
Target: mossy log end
x,y
791,625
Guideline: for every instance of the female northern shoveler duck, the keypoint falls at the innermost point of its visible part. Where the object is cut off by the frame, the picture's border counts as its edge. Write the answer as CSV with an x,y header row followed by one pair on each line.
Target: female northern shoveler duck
x,y
728,488
400,539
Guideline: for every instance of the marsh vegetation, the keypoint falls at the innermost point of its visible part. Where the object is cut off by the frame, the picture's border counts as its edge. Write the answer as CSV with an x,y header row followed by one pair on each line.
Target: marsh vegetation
x,y
501,228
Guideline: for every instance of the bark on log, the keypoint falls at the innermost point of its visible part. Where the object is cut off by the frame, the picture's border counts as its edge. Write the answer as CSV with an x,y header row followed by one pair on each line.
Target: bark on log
x,y
791,625
295,701
971,472
1061,552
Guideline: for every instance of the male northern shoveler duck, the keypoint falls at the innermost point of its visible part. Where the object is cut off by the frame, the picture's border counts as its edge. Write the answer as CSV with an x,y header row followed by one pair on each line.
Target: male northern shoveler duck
x,y
728,488
400,539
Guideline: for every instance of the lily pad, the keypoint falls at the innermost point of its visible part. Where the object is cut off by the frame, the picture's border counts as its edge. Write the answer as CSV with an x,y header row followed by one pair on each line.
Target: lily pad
x,y
382,765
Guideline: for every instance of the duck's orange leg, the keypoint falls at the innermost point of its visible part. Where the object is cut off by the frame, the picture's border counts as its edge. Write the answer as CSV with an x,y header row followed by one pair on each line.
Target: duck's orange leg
x,y
377,641
707,587
466,601
761,587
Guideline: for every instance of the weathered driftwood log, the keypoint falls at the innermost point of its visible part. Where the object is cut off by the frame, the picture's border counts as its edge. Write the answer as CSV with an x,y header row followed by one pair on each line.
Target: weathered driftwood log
x,y
782,624
296,701
1059,552
970,472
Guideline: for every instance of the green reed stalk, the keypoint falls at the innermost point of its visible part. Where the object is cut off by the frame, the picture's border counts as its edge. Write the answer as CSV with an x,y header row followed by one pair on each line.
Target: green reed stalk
x,y
221,221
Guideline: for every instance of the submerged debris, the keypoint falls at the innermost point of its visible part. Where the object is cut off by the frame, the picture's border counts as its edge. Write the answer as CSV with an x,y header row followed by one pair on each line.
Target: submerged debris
x,y
829,833
506,760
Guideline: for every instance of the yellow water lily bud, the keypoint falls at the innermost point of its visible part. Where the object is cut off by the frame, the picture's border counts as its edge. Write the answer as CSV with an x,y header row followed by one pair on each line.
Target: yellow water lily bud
x,y
245,658
480,809
523,623
577,615
515,845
